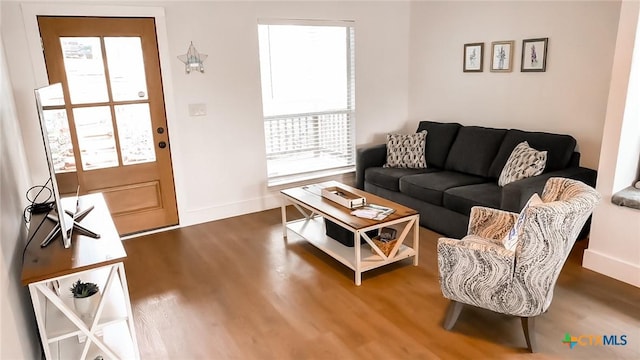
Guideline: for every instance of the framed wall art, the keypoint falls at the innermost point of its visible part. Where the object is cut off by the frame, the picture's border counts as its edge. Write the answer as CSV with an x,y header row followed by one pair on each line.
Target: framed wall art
x,y
502,56
473,54
534,55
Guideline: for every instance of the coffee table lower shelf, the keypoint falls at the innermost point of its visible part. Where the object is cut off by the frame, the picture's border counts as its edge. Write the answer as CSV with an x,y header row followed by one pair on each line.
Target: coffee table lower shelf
x,y
313,230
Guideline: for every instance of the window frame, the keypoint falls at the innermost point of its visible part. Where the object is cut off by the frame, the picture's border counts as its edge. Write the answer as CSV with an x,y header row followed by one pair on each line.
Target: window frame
x,y
349,111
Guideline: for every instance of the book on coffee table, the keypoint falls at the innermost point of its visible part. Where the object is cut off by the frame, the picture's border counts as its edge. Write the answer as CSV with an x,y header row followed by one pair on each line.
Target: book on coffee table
x,y
373,212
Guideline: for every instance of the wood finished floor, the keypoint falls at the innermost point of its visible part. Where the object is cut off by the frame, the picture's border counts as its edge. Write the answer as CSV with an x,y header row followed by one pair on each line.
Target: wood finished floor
x,y
234,289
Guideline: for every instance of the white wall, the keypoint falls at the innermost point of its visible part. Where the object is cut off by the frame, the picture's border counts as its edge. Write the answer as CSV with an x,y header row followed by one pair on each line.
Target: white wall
x,y
614,245
18,334
231,174
570,97
218,159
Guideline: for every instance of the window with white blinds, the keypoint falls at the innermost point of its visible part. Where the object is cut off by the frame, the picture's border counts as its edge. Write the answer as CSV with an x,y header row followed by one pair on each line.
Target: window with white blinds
x,y
307,72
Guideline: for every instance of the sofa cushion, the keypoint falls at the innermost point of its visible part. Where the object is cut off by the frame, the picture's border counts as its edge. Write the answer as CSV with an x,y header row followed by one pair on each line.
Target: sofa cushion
x,y
388,178
474,149
439,140
406,150
523,162
462,198
429,187
559,149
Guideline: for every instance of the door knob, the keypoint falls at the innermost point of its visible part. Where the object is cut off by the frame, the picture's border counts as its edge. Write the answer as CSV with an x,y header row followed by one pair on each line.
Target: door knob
x,y
162,144
160,130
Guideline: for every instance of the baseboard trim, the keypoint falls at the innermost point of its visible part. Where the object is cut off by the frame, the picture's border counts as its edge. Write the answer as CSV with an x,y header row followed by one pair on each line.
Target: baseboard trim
x,y
612,267
271,200
223,211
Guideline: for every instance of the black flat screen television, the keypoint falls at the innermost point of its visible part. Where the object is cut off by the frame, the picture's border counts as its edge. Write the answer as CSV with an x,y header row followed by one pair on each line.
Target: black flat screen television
x,y
52,96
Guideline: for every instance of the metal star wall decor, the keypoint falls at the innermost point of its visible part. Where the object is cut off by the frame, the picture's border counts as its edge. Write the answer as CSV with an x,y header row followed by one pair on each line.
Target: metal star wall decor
x,y
193,60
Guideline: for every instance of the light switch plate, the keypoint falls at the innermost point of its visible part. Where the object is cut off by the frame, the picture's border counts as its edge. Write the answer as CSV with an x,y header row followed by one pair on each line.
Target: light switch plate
x,y
197,109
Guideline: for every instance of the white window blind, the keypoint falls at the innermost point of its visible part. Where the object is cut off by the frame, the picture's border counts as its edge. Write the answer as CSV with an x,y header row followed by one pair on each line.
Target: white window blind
x,y
307,73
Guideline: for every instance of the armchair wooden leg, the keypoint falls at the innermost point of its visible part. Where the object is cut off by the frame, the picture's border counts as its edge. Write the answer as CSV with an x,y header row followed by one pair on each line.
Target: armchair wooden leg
x,y
528,326
453,311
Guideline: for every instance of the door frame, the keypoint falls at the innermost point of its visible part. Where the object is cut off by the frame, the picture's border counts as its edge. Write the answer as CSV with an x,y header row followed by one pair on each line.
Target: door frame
x,y
30,11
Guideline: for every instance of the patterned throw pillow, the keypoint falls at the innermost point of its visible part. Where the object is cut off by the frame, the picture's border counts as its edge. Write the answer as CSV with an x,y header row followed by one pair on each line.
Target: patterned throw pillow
x,y
406,151
523,162
510,241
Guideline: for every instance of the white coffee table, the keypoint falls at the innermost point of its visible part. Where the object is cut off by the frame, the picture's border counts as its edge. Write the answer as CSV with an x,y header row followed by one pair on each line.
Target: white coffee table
x,y
315,209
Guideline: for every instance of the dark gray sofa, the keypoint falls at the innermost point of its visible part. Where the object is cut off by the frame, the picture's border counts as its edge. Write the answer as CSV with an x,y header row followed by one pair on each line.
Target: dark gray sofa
x,y
463,167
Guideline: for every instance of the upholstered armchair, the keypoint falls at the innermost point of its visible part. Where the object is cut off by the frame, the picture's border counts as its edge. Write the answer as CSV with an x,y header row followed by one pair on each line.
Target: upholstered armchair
x,y
478,270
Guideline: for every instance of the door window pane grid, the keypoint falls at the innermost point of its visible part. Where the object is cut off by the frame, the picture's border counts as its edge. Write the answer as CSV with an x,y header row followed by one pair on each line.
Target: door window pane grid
x,y
96,138
92,105
85,69
135,134
126,68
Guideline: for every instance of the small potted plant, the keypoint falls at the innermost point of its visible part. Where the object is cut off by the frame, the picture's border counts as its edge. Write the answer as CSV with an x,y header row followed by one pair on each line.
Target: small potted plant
x,y
83,297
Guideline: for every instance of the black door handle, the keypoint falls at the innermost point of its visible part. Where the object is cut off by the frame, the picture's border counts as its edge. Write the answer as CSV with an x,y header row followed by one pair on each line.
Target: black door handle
x,y
162,144
160,130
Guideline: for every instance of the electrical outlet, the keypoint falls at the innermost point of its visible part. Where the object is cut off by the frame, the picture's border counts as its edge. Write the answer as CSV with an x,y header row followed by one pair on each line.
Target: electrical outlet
x,y
197,109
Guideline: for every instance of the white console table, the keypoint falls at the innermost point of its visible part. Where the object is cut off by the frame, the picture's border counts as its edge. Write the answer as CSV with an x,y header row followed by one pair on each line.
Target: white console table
x,y
49,272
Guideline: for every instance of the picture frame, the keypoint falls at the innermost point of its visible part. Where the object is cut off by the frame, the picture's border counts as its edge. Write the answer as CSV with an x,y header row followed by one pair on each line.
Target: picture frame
x,y
473,55
502,56
534,55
